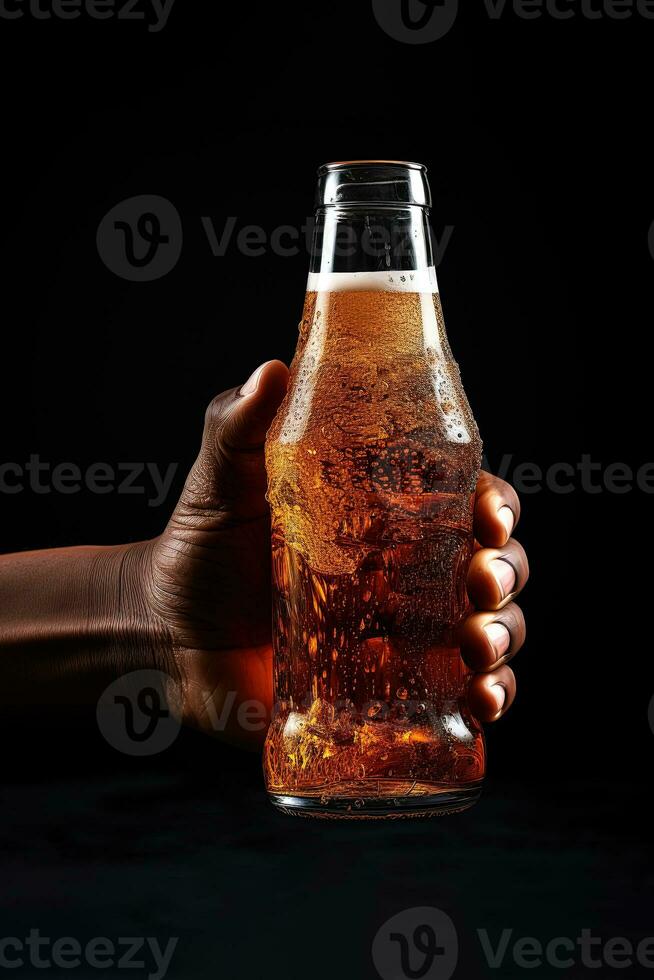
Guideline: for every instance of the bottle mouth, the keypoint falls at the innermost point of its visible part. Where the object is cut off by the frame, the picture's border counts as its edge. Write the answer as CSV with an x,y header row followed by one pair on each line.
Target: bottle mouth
x,y
371,163
385,183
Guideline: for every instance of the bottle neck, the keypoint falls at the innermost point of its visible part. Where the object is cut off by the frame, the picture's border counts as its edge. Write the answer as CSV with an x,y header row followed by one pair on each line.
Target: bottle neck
x,y
380,240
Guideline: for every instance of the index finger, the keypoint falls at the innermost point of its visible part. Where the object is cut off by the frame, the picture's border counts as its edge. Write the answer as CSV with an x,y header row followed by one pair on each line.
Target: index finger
x,y
497,511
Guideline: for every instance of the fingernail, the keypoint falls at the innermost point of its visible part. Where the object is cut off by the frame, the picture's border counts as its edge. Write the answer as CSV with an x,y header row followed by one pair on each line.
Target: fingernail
x,y
499,637
252,382
499,693
505,514
504,576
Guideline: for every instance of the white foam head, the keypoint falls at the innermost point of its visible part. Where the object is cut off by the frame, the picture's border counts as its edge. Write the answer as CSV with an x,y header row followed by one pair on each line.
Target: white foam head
x,y
408,281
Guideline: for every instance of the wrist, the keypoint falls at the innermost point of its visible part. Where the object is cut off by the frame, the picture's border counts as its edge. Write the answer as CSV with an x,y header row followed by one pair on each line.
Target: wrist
x,y
72,620
132,636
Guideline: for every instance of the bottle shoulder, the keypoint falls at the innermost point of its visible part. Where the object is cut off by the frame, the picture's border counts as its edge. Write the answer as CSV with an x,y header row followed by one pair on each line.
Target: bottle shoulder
x,y
375,367
373,399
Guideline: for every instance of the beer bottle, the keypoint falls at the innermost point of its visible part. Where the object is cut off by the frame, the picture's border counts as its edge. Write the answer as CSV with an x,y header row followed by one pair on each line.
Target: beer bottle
x,y
372,464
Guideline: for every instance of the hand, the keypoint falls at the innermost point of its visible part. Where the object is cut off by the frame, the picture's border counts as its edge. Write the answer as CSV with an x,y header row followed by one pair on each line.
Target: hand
x,y
207,578
495,631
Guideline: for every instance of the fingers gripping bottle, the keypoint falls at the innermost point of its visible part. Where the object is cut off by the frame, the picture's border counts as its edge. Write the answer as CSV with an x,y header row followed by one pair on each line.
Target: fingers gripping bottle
x,y
372,464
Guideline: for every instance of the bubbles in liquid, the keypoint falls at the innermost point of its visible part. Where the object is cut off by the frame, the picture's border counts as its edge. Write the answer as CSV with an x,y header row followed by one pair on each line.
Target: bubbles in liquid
x,y
372,463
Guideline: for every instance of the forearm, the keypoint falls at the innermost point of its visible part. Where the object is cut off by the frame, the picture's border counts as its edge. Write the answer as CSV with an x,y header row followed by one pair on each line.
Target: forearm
x,y
71,620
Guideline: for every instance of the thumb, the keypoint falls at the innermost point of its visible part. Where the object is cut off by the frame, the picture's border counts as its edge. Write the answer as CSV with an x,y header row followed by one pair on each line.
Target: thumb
x,y
228,480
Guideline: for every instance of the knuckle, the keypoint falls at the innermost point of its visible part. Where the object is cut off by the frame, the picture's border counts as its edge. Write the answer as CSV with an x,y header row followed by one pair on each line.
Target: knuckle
x,y
519,555
512,617
507,492
214,411
513,496
506,675
512,501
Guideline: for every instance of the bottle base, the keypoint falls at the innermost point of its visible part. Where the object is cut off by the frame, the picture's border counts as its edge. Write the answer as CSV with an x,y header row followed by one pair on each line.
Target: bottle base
x,y
379,800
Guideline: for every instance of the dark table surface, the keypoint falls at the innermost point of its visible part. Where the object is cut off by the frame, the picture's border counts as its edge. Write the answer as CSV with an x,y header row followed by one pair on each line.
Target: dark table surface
x,y
187,846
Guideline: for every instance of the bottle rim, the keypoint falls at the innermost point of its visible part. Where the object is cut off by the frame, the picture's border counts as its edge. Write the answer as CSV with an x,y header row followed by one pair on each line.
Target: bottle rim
x,y
373,183
343,164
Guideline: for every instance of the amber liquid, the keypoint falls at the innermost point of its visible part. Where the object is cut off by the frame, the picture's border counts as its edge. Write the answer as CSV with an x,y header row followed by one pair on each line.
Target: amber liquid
x,y
372,463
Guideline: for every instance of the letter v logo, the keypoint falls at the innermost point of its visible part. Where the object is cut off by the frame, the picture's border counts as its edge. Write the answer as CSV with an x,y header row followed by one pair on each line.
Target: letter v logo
x,y
415,21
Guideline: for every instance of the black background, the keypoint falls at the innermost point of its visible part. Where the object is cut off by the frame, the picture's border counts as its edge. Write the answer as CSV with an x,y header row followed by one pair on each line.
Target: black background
x,y
536,135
